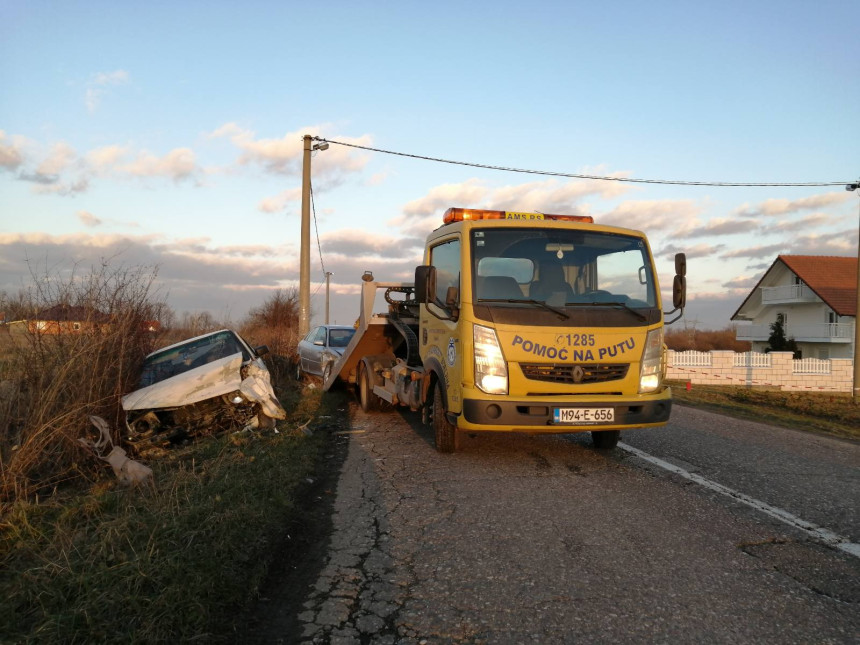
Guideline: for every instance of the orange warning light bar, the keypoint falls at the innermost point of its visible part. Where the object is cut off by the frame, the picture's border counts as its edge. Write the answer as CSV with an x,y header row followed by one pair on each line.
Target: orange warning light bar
x,y
471,214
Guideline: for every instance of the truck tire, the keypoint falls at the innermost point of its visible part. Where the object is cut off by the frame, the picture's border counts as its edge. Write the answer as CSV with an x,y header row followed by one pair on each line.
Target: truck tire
x,y
366,398
446,432
605,439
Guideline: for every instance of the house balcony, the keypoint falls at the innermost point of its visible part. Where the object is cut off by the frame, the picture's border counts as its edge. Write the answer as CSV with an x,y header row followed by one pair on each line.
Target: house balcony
x,y
788,294
816,333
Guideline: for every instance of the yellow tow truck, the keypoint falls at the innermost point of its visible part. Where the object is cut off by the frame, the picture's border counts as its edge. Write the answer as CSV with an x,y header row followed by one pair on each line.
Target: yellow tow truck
x,y
520,322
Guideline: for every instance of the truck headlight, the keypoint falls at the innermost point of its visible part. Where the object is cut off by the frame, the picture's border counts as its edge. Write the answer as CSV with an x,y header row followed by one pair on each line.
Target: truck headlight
x,y
491,373
650,370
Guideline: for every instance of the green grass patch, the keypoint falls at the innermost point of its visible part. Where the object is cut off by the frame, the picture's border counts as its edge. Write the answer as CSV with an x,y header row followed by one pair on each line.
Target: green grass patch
x,y
177,561
834,414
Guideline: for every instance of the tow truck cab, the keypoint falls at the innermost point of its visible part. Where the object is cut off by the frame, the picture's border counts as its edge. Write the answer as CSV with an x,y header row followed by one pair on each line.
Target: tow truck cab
x,y
542,323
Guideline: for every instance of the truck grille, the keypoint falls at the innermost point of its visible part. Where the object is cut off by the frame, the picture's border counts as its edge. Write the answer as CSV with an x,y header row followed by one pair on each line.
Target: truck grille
x,y
586,373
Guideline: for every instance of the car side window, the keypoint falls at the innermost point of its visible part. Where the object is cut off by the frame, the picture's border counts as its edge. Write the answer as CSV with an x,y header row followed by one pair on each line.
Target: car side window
x,y
320,335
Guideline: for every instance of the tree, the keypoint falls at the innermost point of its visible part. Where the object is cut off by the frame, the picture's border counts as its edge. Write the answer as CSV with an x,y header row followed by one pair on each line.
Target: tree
x,y
777,342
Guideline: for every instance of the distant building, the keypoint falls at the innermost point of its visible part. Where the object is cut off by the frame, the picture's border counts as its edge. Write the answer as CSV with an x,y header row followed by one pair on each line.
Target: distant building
x,y
815,298
66,319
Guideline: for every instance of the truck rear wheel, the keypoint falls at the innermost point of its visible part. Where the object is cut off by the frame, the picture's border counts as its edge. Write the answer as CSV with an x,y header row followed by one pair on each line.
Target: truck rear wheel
x,y
366,398
605,439
446,432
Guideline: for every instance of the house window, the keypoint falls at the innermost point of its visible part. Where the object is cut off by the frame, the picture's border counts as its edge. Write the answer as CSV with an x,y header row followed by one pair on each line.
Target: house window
x,y
824,353
782,318
798,281
831,317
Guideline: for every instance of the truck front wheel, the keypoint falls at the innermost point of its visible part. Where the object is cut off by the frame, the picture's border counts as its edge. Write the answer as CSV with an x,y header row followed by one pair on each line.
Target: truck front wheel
x,y
366,398
605,439
446,432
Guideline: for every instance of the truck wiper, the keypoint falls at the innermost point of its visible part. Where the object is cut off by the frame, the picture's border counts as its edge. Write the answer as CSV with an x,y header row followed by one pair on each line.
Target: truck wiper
x,y
623,305
539,303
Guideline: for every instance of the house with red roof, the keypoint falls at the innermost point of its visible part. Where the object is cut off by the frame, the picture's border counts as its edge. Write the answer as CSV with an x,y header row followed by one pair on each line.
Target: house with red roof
x,y
815,298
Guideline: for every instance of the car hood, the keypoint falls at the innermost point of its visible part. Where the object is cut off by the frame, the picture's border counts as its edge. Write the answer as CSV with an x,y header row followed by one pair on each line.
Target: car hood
x,y
205,382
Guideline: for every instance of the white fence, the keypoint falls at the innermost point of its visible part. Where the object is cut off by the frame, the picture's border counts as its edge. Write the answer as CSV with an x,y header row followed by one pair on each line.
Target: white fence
x,y
810,366
752,369
752,359
692,358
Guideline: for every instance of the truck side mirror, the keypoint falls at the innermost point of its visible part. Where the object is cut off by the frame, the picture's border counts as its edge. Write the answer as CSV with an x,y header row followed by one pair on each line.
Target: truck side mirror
x,y
681,264
679,292
425,284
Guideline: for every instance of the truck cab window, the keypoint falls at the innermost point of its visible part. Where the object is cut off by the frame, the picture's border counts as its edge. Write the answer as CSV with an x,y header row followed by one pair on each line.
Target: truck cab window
x,y
446,258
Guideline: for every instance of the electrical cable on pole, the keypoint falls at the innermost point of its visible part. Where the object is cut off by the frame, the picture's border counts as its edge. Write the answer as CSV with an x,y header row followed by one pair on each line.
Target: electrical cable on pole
x,y
581,176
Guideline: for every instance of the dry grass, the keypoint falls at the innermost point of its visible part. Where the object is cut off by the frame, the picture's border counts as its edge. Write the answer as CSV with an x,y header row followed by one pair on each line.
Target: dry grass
x,y
834,414
171,563
52,383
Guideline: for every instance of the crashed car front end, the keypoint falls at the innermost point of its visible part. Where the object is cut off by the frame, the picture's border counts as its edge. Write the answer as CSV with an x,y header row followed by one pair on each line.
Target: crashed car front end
x,y
192,389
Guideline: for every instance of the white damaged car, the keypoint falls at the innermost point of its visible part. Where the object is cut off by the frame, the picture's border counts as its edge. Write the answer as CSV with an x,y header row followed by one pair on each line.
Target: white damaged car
x,y
203,385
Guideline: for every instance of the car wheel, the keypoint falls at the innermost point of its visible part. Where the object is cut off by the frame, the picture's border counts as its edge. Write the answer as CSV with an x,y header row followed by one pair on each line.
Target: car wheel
x,y
605,439
366,398
326,373
446,432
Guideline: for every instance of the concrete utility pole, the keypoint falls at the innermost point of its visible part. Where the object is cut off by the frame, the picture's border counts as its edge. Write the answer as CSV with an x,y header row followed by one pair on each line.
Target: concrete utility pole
x,y
327,282
854,187
305,257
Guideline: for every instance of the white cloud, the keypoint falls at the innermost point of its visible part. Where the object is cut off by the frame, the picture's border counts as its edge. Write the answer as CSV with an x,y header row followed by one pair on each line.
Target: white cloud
x,y
279,202
62,156
422,215
177,164
11,154
724,226
774,207
96,87
106,157
668,216
88,219
284,155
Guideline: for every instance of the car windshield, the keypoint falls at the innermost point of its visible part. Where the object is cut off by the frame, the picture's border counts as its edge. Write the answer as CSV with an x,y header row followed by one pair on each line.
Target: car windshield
x,y
340,337
569,271
193,353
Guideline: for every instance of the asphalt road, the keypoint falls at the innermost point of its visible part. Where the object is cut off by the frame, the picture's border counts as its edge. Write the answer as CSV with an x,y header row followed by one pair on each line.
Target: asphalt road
x,y
541,539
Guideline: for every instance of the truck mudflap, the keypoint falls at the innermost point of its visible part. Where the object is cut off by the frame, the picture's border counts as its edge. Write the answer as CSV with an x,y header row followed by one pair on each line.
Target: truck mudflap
x,y
542,416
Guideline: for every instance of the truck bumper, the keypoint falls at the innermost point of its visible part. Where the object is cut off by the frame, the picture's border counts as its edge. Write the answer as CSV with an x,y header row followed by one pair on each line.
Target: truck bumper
x,y
537,416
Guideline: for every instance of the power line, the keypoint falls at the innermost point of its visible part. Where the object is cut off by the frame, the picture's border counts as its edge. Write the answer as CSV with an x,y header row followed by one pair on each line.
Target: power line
x,y
720,184
314,209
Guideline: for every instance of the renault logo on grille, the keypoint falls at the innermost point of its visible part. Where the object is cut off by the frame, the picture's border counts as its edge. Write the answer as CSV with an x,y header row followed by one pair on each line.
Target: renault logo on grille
x,y
578,374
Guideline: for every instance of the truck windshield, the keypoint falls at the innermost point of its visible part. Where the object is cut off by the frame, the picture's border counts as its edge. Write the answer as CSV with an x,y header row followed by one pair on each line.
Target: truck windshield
x,y
592,277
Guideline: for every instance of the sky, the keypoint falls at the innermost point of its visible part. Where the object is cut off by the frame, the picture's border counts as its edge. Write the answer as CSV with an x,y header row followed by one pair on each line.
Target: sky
x,y
168,136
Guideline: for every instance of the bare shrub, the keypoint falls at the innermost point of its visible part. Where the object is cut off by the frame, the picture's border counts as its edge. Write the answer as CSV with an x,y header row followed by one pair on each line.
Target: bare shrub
x,y
77,361
682,340
275,323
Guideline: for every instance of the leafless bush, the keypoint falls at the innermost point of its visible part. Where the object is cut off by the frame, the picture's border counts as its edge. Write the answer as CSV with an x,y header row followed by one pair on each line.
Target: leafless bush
x,y
74,360
275,323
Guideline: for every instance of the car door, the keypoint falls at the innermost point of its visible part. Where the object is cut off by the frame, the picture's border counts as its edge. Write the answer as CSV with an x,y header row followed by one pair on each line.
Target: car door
x,y
315,351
